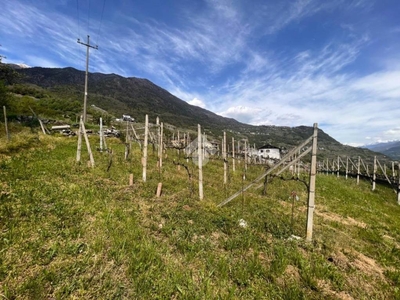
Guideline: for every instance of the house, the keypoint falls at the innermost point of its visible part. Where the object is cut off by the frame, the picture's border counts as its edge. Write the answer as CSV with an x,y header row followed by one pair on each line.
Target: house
x,y
269,151
128,118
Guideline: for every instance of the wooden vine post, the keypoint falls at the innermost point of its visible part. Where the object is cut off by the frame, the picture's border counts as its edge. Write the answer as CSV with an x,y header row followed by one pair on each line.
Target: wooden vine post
x,y
200,160
311,193
144,159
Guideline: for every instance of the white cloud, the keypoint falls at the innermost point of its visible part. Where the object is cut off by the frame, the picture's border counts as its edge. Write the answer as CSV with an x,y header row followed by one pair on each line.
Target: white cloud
x,y
36,61
241,113
381,84
197,102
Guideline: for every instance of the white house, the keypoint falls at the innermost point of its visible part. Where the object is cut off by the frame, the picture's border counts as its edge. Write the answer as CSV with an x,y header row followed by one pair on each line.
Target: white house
x,y
269,151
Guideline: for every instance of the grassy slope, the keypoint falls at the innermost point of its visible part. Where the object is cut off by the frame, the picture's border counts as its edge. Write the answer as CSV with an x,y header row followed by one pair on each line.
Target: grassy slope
x,y
68,231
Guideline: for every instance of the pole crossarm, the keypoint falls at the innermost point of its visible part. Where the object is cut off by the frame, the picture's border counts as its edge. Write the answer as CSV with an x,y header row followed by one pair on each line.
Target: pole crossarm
x,y
87,44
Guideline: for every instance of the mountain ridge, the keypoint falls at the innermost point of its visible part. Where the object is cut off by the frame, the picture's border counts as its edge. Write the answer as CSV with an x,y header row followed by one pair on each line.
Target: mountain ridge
x,y
391,148
139,96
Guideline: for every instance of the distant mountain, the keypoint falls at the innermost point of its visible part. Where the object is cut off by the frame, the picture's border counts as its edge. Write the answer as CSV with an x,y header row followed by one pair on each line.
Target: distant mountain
x,y
136,97
18,66
391,149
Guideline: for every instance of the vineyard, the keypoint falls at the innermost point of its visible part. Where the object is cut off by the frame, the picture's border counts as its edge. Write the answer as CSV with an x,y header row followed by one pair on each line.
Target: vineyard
x,y
96,228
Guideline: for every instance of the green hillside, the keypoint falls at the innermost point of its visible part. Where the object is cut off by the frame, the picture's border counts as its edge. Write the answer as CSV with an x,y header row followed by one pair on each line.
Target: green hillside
x,y
58,94
68,231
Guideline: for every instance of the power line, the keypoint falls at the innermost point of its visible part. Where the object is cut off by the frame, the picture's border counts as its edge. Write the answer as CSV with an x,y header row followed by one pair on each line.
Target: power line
x,y
77,12
101,20
88,17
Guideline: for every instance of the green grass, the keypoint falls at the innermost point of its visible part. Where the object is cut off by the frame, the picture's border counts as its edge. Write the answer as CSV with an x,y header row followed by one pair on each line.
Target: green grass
x,y
72,232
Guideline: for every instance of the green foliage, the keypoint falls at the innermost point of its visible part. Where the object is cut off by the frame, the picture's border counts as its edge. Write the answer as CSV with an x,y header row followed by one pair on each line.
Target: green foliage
x,y
4,95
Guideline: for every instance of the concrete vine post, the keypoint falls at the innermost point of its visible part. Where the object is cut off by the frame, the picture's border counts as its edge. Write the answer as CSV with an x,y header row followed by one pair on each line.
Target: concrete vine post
x,y
238,151
101,134
179,144
358,170
224,157
233,154
311,193
374,175
245,157
298,165
200,160
393,174
338,166
326,165
347,166
161,145
398,187
144,160
187,143
158,136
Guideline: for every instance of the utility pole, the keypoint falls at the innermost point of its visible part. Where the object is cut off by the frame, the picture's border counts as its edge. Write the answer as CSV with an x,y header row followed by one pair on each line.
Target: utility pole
x,y
86,74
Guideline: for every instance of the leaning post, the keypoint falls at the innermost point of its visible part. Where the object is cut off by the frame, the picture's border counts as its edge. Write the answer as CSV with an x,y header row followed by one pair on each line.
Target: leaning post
x,y
311,193
5,123
79,147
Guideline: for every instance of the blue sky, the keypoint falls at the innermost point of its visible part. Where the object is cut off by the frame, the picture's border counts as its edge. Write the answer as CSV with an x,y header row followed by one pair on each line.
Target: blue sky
x,y
286,63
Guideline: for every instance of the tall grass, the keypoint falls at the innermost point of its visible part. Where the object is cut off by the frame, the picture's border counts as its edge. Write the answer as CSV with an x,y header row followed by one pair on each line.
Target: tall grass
x,y
69,231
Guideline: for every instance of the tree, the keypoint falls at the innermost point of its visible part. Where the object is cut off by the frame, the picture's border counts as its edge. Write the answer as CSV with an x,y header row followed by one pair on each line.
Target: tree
x,y
8,75
4,96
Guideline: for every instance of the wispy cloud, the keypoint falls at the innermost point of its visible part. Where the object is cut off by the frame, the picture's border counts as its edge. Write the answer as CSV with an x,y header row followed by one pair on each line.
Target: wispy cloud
x,y
223,55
